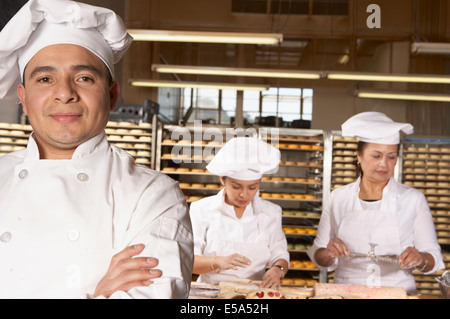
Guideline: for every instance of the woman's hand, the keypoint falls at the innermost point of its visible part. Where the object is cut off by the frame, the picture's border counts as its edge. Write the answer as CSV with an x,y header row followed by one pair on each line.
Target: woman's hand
x,y
272,278
336,248
126,272
325,256
412,258
230,262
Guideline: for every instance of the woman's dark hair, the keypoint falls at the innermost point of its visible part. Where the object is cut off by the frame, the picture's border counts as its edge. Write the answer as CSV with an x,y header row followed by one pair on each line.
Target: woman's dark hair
x,y
359,150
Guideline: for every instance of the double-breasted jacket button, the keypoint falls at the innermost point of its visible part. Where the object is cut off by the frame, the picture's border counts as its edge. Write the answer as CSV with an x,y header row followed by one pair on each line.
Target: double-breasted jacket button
x,y
23,174
5,237
73,235
82,177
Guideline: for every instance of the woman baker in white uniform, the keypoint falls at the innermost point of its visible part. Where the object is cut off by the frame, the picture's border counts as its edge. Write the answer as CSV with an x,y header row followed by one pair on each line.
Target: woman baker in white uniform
x,y
377,210
236,233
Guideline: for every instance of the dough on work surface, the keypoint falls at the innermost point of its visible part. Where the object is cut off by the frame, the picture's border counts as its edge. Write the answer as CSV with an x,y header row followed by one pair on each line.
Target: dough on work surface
x,y
361,291
296,293
237,288
335,296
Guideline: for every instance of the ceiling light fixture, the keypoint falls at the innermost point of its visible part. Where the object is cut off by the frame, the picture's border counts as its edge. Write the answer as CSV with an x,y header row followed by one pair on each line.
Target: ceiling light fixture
x,y
203,70
403,96
430,48
205,37
203,85
416,78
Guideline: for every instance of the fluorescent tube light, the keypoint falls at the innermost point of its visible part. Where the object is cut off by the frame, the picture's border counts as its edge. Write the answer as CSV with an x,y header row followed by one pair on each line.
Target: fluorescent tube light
x,y
404,96
203,70
416,78
430,48
205,37
184,84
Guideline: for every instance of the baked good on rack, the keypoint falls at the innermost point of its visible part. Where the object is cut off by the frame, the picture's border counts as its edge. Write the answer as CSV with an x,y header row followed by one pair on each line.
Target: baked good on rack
x,y
122,131
136,131
145,125
142,146
127,124
143,153
168,141
145,138
129,137
142,160
184,142
194,198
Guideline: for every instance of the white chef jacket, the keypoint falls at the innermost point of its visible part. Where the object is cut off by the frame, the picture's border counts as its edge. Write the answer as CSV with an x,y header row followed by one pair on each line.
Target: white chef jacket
x,y
412,223
61,221
258,235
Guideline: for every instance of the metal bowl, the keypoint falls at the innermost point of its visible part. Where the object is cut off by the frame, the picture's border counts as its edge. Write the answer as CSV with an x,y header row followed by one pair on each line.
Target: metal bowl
x,y
444,284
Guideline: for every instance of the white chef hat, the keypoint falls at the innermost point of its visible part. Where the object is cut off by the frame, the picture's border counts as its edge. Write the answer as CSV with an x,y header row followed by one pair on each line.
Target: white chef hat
x,y
375,127
245,158
40,23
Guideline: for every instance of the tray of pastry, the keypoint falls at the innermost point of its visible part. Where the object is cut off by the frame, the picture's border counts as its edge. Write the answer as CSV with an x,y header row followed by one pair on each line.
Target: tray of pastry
x,y
178,158
298,147
185,171
128,125
171,142
292,180
301,164
305,231
294,138
13,141
200,186
289,197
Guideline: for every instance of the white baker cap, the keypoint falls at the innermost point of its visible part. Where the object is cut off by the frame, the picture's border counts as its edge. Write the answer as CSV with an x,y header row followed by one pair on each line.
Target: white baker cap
x,y
245,158
375,127
40,23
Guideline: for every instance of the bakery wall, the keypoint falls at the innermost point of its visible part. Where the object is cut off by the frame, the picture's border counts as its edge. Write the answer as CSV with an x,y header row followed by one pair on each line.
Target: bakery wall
x,y
9,112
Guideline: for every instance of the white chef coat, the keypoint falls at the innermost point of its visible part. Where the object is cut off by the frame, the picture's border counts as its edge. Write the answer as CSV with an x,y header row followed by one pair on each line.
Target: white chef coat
x,y
61,221
401,220
257,235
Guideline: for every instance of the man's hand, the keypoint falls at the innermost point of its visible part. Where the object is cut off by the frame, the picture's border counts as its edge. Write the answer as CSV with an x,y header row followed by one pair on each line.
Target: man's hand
x,y
126,272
